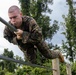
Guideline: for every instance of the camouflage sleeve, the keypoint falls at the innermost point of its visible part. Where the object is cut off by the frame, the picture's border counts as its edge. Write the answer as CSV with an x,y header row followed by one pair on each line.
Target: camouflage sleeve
x,y
35,34
8,36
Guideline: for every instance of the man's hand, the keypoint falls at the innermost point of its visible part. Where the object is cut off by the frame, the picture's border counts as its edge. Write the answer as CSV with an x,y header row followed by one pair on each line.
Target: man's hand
x,y
19,34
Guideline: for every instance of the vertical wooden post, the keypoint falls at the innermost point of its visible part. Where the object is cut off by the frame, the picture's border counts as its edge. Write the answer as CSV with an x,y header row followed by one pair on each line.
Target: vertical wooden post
x,y
55,65
68,69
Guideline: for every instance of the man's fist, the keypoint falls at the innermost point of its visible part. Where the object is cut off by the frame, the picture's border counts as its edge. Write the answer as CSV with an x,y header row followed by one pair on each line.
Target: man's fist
x,y
19,34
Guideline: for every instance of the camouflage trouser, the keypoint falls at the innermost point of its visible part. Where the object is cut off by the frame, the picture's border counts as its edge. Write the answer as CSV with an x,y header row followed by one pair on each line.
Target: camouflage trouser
x,y
46,52
30,52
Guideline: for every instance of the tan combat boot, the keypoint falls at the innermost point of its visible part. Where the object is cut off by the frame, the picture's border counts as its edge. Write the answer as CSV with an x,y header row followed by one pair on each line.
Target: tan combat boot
x,y
61,58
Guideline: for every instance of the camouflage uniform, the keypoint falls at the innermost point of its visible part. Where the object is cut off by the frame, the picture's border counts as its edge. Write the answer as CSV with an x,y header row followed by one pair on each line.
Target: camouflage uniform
x,y
31,40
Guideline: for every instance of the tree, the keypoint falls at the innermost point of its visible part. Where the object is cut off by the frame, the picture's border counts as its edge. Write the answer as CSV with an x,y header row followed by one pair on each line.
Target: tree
x,y
74,68
70,33
27,70
10,66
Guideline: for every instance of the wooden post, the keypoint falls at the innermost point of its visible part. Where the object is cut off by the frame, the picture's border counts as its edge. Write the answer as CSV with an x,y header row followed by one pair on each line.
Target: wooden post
x,y
55,65
68,69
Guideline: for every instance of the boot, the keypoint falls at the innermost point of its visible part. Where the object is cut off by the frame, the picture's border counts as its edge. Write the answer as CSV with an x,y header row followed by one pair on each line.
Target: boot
x,y
59,55
61,58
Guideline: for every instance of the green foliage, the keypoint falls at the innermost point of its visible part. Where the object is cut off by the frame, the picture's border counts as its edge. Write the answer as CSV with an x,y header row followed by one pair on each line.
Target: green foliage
x,y
10,66
63,69
2,72
35,7
27,70
74,68
8,53
70,33
8,73
25,4
32,71
5,72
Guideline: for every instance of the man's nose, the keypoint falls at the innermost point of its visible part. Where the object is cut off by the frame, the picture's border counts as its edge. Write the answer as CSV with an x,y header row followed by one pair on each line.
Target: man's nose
x,y
13,20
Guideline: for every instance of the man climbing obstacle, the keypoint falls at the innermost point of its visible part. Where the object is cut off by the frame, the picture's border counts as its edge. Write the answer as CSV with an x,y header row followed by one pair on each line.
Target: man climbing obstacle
x,y
28,36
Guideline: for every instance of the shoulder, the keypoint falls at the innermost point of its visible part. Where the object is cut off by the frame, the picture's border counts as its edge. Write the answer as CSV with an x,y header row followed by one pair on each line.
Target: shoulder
x,y
28,19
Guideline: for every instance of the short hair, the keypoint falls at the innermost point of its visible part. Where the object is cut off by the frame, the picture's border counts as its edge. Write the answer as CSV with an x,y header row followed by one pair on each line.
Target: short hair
x,y
13,8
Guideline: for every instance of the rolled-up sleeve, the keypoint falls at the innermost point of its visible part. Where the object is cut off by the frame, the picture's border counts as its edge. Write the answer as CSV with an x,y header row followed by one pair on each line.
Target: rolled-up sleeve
x,y
8,36
35,34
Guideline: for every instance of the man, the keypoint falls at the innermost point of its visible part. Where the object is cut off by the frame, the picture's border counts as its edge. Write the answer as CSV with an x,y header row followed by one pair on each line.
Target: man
x,y
28,36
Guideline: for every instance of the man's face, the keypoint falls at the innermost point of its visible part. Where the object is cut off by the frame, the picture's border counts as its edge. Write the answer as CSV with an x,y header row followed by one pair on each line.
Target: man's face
x,y
15,18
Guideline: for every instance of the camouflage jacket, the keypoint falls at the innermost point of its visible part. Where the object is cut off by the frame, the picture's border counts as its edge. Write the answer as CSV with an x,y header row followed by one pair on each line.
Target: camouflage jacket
x,y
32,32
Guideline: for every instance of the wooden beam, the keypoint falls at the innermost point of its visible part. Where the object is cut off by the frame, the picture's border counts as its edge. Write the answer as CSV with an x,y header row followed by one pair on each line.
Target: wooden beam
x,y
55,65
